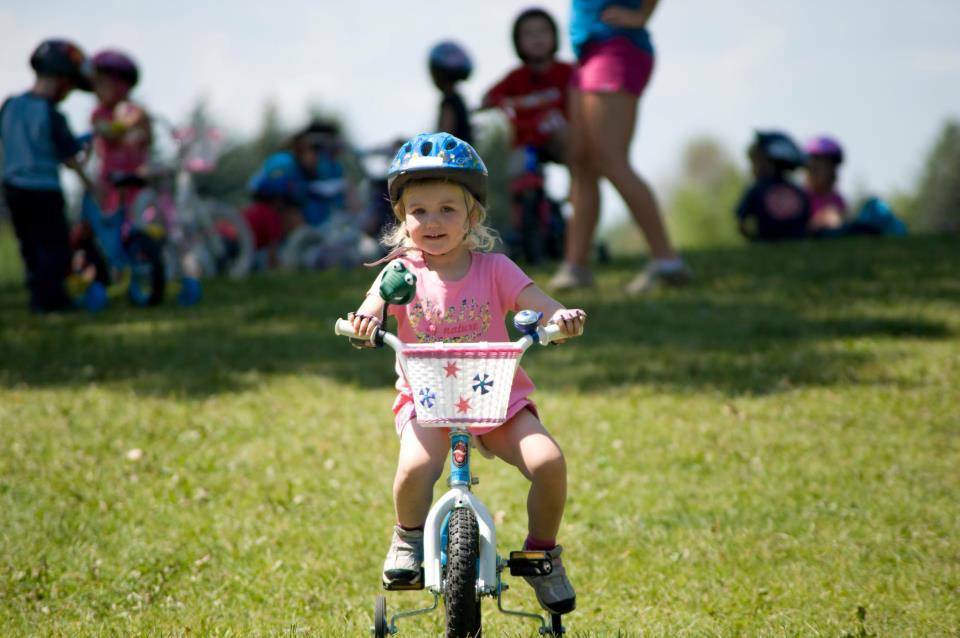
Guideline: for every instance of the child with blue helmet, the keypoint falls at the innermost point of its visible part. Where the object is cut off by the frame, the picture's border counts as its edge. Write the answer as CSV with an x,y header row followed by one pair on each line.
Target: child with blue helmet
x,y
438,188
36,141
449,65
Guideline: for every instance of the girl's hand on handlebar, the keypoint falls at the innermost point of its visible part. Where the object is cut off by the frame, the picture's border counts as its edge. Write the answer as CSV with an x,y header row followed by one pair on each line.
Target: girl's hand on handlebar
x,y
365,326
570,320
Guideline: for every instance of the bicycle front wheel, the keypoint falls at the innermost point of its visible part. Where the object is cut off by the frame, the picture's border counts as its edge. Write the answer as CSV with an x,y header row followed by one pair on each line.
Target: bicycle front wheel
x,y
460,599
228,238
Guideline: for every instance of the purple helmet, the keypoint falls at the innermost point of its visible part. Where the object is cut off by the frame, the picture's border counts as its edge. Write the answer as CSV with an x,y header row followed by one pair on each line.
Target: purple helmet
x,y
824,146
117,63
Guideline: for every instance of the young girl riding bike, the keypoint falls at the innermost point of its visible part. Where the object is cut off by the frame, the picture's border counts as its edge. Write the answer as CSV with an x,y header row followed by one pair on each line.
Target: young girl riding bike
x,y
438,188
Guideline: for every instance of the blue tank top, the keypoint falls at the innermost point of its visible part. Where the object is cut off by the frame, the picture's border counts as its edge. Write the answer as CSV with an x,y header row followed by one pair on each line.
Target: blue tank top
x,y
36,140
586,25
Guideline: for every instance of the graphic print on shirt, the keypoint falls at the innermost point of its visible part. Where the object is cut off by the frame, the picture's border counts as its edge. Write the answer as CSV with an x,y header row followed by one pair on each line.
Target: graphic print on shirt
x,y
468,323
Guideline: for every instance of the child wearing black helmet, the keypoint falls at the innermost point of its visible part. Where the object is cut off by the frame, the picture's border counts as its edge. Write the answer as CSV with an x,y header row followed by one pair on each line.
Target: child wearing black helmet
x,y
36,141
534,94
449,65
774,208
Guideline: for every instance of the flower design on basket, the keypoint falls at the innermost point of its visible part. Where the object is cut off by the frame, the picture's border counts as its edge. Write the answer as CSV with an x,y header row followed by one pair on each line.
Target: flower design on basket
x,y
427,397
484,384
451,369
463,405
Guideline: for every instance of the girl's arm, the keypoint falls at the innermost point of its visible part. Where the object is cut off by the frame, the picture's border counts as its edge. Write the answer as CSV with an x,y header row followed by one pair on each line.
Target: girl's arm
x,y
366,319
624,18
570,320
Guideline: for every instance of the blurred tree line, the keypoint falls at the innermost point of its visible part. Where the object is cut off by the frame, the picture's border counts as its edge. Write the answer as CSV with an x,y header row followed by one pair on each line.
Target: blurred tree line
x,y
934,205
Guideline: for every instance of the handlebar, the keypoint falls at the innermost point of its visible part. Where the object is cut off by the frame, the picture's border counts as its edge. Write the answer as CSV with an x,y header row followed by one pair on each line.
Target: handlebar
x,y
545,335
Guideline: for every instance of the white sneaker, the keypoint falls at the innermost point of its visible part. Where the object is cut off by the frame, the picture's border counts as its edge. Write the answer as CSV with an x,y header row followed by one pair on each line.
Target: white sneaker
x,y
654,276
404,557
569,277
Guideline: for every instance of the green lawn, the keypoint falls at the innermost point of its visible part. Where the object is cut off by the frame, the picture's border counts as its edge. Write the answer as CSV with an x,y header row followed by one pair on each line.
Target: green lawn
x,y
763,453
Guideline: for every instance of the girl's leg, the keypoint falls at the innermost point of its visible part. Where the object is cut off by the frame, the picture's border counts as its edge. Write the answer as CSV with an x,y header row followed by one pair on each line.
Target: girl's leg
x,y
524,442
584,184
422,453
610,119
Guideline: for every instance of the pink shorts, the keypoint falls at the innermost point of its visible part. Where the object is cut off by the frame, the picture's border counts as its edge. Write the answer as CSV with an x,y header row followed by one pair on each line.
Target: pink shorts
x,y
613,66
406,412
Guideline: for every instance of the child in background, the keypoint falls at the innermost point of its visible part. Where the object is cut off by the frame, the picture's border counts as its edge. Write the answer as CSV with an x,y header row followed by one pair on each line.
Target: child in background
x,y
828,209
122,131
535,93
450,64
36,140
773,207
438,186
275,189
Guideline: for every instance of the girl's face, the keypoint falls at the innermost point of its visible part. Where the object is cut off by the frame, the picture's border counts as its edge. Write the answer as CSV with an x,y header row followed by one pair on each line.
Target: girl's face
x,y
535,38
109,89
821,173
436,217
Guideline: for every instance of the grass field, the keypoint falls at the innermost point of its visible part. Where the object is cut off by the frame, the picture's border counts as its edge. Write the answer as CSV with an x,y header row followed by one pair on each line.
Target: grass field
x,y
773,451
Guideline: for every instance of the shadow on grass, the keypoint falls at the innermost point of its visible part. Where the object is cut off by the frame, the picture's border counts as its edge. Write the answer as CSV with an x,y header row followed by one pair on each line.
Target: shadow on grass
x,y
758,320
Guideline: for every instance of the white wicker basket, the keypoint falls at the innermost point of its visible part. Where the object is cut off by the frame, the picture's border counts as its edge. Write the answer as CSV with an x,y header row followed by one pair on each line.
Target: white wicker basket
x,y
466,384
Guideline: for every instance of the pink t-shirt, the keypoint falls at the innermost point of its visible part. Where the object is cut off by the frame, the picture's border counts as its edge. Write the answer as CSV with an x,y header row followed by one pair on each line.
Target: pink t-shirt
x,y
471,309
821,202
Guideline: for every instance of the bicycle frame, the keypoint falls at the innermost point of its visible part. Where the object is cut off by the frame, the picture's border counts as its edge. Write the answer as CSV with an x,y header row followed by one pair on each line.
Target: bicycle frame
x,y
458,496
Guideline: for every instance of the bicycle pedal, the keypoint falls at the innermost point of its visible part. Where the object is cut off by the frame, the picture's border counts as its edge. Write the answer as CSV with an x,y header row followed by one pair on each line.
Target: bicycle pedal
x,y
529,563
405,586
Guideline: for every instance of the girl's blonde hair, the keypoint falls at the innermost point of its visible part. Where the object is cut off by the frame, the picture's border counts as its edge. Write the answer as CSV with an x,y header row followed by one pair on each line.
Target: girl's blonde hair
x,y
479,237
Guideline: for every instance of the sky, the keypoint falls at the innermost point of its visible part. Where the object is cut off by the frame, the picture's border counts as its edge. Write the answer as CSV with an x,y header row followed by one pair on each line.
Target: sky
x,y
882,76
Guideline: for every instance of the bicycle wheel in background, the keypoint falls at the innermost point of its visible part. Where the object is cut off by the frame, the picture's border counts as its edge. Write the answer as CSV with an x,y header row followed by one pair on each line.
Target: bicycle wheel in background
x,y
147,271
227,237
460,583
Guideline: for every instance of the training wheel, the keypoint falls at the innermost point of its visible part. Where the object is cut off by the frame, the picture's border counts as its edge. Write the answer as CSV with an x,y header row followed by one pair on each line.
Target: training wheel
x,y
380,618
556,622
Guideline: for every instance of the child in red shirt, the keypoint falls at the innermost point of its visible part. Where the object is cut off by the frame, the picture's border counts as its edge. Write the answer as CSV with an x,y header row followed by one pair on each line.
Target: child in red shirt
x,y
534,95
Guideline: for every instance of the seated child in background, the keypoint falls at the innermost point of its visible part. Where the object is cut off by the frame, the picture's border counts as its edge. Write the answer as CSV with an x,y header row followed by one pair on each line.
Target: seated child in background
x,y
450,64
274,212
534,94
773,207
36,140
122,132
828,210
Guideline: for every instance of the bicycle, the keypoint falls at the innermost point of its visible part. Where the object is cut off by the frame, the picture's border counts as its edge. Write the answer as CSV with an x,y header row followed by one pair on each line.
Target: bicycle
x,y
460,563
205,237
345,238
110,254
538,225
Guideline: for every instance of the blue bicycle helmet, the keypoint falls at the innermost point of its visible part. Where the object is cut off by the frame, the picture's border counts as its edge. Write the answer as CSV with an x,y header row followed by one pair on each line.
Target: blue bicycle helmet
x,y
449,61
278,178
441,156
780,148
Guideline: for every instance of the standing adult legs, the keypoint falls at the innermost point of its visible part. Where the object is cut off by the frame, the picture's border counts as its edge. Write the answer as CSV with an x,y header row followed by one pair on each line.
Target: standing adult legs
x,y
610,119
584,185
